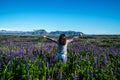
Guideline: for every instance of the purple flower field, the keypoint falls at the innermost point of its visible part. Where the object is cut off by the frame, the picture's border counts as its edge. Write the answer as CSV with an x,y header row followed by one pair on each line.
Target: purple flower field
x,y
33,58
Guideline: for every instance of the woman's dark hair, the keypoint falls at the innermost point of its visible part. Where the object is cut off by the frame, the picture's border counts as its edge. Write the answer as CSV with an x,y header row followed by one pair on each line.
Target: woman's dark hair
x,y
60,38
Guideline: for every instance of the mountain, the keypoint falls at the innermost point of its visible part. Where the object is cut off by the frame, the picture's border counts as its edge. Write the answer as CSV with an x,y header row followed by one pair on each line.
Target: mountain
x,y
68,33
5,32
40,32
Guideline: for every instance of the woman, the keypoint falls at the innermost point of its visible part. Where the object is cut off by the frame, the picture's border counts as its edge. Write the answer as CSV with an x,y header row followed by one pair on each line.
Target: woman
x,y
62,43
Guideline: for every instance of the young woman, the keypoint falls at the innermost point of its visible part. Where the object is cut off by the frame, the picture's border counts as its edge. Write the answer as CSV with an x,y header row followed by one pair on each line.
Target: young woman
x,y
62,43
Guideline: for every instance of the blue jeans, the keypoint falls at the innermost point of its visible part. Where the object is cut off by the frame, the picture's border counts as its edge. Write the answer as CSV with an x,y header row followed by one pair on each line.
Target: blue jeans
x,y
63,57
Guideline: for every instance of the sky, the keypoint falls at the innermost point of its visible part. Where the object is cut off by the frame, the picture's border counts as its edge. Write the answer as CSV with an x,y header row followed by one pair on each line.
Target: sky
x,y
87,16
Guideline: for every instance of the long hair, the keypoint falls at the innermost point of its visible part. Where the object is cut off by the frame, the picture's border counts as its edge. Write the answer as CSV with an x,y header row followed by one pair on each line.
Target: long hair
x,y
60,38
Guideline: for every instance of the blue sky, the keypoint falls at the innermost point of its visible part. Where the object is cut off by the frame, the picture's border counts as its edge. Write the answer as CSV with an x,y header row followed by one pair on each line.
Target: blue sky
x,y
87,16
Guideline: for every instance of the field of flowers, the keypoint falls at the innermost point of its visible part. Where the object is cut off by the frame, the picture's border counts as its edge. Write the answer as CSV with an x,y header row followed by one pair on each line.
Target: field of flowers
x,y
33,58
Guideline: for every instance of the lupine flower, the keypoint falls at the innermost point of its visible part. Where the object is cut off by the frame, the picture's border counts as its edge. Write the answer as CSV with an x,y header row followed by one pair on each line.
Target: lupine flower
x,y
104,60
49,78
95,63
75,76
59,75
87,57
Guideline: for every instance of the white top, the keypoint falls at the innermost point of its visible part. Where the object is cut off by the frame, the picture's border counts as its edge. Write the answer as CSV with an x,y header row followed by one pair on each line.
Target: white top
x,y
61,48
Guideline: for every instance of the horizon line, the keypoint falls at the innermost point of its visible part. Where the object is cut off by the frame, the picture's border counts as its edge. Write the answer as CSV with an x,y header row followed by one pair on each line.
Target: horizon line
x,y
61,30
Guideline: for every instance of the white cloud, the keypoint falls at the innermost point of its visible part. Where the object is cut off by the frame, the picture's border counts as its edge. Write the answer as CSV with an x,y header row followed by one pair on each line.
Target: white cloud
x,y
8,29
14,29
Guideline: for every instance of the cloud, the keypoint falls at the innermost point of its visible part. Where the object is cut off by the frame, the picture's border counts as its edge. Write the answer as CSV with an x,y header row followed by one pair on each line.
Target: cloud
x,y
8,29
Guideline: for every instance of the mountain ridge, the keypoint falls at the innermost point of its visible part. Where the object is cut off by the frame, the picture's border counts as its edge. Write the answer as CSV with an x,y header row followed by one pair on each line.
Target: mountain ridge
x,y
40,32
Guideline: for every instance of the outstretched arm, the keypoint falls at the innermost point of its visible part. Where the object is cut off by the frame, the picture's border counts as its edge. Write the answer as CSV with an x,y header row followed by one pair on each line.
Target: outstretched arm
x,y
75,37
50,39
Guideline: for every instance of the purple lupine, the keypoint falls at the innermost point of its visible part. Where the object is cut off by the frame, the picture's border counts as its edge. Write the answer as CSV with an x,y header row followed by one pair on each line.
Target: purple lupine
x,y
7,59
21,53
87,57
49,78
98,61
95,63
75,76
45,59
104,60
59,77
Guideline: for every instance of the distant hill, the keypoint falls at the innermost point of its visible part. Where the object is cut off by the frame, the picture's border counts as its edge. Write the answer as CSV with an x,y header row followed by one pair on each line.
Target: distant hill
x,y
40,32
5,32
68,33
